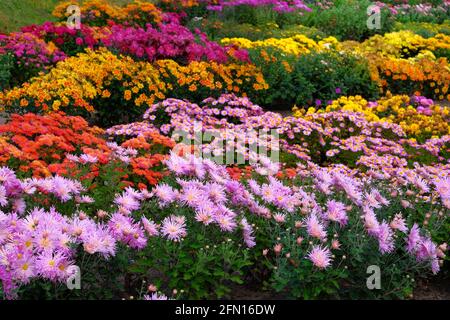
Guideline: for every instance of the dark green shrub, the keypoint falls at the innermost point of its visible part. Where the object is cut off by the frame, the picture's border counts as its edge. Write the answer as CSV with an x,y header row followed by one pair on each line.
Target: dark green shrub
x,y
313,79
347,20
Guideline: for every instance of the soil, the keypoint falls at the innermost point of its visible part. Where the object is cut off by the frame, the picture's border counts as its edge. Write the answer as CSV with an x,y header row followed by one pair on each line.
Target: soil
x,y
437,288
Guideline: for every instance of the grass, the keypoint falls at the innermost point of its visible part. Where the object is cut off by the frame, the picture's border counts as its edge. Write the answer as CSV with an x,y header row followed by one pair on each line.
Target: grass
x,y
18,13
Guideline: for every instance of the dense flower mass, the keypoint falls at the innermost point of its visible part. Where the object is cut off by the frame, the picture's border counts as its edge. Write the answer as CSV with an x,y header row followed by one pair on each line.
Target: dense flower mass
x,y
296,45
101,70
100,12
418,116
171,41
30,50
193,148
40,146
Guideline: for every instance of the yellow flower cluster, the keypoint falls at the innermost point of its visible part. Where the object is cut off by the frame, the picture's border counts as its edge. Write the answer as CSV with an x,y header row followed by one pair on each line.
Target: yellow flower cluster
x,y
425,27
212,75
404,59
182,3
394,109
398,109
405,44
296,45
80,81
137,10
396,60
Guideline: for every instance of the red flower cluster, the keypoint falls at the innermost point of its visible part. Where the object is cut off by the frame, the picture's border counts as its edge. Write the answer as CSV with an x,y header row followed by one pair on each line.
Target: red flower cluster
x,y
43,140
39,145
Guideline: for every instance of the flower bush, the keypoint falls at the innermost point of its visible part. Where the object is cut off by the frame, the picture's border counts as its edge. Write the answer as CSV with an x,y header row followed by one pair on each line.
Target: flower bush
x,y
343,136
100,12
419,117
39,146
29,56
354,26
108,81
171,41
201,208
70,41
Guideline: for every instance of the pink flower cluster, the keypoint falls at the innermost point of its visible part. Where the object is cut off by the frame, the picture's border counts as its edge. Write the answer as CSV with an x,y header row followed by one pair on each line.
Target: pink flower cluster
x,y
42,243
29,50
168,41
66,39
322,137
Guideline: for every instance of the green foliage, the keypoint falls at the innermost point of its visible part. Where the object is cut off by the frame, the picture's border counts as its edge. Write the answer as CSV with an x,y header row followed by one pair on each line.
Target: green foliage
x,y
313,77
426,30
6,65
347,20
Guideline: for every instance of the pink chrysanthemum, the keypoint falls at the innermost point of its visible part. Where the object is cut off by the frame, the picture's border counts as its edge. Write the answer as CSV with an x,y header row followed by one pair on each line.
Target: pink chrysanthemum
x,y
314,227
320,257
385,240
398,223
173,228
150,226
336,212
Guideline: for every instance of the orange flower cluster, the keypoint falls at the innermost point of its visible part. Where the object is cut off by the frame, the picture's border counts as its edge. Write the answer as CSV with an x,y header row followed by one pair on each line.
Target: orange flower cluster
x,y
99,12
87,79
424,76
37,146
146,164
33,142
181,3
